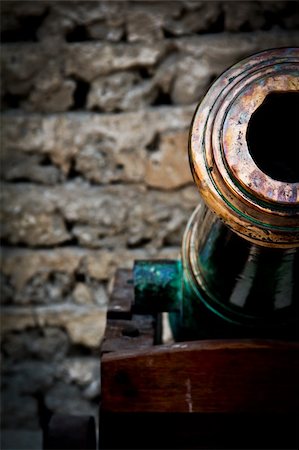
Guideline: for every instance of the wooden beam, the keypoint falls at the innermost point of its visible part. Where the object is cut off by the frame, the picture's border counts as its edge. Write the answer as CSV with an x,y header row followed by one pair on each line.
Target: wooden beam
x,y
218,376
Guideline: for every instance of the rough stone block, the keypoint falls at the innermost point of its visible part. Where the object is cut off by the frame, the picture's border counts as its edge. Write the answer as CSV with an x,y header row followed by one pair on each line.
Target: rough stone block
x,y
46,344
84,325
43,78
193,76
34,229
168,166
197,18
104,148
16,166
21,439
111,30
19,411
67,399
29,377
122,91
91,60
144,26
29,217
79,370
221,50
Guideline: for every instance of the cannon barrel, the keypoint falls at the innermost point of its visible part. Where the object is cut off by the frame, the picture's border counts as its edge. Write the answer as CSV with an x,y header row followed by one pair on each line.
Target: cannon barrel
x,y
238,275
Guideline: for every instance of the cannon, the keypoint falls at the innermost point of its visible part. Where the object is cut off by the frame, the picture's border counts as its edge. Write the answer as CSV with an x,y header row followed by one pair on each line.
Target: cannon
x,y
238,274
229,377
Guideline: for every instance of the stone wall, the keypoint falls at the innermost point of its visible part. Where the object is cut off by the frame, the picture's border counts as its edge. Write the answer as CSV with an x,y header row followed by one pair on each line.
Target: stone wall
x,y
97,99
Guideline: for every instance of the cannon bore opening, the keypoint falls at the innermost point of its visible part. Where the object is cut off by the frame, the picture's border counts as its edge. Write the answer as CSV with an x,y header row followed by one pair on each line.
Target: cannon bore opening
x,y
273,136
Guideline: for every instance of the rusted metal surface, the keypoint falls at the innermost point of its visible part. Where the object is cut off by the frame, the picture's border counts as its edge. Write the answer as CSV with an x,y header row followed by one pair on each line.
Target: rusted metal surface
x,y
258,207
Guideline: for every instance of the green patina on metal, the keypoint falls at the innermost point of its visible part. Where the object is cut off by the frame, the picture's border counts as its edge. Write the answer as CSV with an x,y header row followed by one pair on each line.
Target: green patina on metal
x,y
194,313
158,285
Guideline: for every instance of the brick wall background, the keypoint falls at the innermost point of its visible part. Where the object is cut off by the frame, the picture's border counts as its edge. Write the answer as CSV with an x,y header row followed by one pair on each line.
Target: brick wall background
x,y
97,99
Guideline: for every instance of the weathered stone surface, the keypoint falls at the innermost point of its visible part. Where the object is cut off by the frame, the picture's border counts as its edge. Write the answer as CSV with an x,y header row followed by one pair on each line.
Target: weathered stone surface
x,y
82,294
222,50
114,211
81,371
16,166
166,71
93,390
34,229
20,9
52,99
259,15
23,265
84,325
67,399
28,377
242,14
108,92
145,20
93,237
112,30
7,290
100,296
291,20
68,386
90,293
43,79
20,64
45,344
168,167
199,17
192,79
21,439
91,60
208,56
144,26
33,210
34,74
100,144
43,82
122,91
55,26
45,288
32,377
18,411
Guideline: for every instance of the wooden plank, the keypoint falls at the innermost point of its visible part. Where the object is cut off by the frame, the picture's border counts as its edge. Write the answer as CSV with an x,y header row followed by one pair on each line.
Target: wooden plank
x,y
232,376
122,295
123,335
